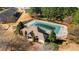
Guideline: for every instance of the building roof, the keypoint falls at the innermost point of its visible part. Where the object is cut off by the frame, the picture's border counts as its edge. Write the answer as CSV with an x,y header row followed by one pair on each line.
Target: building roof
x,y
7,15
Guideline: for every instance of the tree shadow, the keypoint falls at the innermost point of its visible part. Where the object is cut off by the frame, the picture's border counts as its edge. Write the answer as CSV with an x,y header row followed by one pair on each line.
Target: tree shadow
x,y
57,41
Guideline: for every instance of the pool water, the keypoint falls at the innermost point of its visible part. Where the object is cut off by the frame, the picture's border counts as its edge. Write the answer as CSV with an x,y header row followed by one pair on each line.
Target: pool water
x,y
46,26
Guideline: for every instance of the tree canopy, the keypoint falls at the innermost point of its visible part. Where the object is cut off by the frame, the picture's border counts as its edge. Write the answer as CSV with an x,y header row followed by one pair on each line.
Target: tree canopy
x,y
53,12
76,17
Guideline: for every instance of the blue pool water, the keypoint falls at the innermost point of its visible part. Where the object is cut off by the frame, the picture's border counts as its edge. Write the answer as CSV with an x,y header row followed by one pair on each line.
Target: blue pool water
x,y
46,26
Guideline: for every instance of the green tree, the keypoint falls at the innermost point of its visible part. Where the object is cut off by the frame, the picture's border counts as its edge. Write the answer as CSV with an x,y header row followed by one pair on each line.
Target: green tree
x,y
54,12
52,36
76,17
19,27
34,10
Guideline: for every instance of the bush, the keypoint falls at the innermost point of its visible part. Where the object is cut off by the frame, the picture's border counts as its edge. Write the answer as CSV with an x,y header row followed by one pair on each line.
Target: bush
x,y
54,46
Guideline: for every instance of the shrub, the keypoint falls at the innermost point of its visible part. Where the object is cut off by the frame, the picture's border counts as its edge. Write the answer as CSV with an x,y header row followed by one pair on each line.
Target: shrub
x,y
54,46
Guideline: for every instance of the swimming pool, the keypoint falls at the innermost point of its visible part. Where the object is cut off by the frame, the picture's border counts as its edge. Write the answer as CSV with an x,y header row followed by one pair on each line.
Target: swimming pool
x,y
59,29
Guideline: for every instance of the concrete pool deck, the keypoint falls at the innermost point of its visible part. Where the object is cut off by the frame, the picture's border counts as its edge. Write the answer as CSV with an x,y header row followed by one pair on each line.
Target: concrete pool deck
x,y
62,33
36,33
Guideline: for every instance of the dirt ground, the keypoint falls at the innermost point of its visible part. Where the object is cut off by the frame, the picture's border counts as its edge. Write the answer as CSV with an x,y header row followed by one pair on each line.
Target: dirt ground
x,y
69,47
11,42
72,36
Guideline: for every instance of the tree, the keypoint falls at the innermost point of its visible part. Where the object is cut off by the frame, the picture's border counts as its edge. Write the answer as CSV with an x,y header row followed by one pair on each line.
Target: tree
x,y
34,10
52,36
19,27
54,12
76,17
